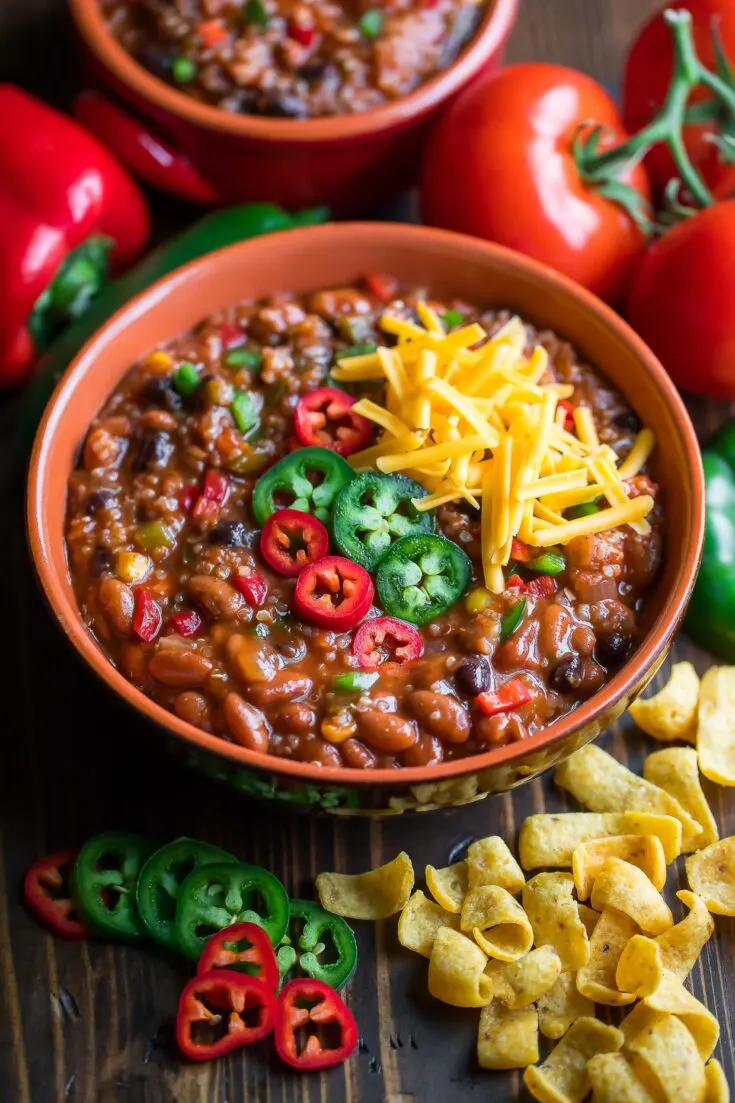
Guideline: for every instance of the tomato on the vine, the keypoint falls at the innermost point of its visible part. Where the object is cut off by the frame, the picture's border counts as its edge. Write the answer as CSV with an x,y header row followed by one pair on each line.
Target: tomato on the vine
x,y
501,165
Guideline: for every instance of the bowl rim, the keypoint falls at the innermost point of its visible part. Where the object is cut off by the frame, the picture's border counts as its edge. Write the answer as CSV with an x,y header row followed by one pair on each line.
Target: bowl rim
x,y
652,648
489,37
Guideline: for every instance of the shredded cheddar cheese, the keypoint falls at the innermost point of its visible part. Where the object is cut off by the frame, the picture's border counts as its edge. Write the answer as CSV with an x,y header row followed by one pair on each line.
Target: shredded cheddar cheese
x,y
471,419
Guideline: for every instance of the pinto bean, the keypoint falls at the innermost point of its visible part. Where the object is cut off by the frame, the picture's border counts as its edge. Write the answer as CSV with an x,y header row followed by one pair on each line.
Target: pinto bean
x,y
554,630
247,725
161,420
386,732
319,752
295,716
194,708
252,659
521,650
583,640
357,755
116,602
179,667
283,687
216,596
428,751
499,729
442,715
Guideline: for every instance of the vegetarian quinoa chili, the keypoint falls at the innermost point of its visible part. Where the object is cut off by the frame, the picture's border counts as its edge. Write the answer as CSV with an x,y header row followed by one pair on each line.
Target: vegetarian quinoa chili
x,y
235,567
292,59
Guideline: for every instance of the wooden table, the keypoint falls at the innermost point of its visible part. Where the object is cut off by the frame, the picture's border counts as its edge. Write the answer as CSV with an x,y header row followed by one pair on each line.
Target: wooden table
x,y
91,1022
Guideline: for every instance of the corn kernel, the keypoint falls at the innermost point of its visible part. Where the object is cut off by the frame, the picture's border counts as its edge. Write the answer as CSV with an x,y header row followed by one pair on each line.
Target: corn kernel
x,y
132,566
159,362
338,726
478,600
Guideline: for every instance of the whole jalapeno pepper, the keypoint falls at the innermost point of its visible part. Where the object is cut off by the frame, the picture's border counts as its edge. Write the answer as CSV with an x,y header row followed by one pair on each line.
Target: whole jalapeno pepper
x,y
104,884
422,576
375,510
287,484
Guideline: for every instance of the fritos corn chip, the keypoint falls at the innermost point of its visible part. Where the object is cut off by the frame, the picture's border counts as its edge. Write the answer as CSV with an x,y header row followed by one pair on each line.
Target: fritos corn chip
x,y
589,917
373,895
640,968
602,784
531,976
718,1090
644,851
672,998
561,1006
420,920
669,1052
502,990
672,712
597,979
490,862
554,917
448,885
550,839
682,944
711,874
626,889
457,970
614,1080
497,922
507,1039
716,728
563,1075
676,770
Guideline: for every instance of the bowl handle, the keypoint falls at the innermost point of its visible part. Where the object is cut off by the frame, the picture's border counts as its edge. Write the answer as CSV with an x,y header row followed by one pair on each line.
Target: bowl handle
x,y
147,155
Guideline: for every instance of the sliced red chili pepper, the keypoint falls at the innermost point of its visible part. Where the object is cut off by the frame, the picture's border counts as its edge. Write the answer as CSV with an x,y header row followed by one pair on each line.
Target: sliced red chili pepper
x,y
222,1010
46,892
304,35
515,582
187,623
147,615
386,639
304,1006
230,334
187,498
568,409
291,539
334,593
381,286
519,551
212,497
543,586
245,948
325,418
253,588
509,696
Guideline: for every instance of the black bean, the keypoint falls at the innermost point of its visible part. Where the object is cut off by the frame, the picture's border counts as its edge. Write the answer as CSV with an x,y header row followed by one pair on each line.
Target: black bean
x,y
567,675
202,394
160,392
313,69
473,676
100,563
154,450
628,421
613,647
281,105
231,533
99,499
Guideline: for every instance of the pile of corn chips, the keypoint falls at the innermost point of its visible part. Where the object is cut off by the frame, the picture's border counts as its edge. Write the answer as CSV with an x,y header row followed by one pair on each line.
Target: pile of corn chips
x,y
592,928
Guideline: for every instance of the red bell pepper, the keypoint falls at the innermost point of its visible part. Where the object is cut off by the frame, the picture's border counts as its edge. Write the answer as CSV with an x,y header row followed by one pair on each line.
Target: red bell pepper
x,y
187,623
511,695
244,947
208,505
334,593
147,615
67,210
305,1005
324,417
386,639
520,552
543,586
46,892
291,539
253,587
236,1009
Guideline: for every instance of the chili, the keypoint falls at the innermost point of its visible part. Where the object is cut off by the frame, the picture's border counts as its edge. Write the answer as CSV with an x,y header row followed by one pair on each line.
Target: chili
x,y
160,880
237,1009
375,510
291,539
303,1006
289,478
245,948
325,417
333,593
509,696
220,894
147,615
422,576
104,883
313,932
47,894
386,639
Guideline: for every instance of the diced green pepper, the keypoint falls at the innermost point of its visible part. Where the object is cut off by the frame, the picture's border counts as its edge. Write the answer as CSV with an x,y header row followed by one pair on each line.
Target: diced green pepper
x,y
371,23
245,358
586,509
512,619
354,680
551,562
255,13
154,534
186,379
244,411
452,318
364,348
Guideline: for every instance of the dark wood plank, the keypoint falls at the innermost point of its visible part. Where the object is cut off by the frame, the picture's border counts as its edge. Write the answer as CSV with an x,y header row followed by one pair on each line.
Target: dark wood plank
x,y
92,1023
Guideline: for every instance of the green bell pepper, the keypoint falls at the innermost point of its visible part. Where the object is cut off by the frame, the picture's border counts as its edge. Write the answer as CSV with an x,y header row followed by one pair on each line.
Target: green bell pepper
x,y
711,617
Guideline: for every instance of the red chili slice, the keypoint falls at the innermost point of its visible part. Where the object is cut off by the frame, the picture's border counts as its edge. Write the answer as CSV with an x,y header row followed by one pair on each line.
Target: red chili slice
x,y
543,586
291,539
147,615
46,892
222,1010
187,623
303,1007
509,696
253,587
246,948
212,497
386,639
381,286
334,593
325,418
303,35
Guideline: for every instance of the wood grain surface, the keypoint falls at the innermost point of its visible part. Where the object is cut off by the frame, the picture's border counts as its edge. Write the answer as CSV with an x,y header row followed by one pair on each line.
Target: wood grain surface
x,y
93,1023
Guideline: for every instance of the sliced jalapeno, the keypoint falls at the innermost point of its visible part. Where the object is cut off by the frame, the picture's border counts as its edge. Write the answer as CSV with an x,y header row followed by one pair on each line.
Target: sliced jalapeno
x,y
104,883
374,511
314,933
309,479
422,576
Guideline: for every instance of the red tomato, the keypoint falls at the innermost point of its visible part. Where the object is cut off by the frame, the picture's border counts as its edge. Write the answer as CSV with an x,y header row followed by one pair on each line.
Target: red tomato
x,y
681,301
500,166
646,81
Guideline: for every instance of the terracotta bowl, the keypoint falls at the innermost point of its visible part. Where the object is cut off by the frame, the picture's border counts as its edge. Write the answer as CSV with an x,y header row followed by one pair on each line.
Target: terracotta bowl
x,y
452,265
202,153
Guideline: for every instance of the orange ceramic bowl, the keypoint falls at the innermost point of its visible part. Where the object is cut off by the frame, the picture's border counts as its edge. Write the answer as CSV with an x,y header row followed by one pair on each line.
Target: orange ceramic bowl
x,y
350,162
452,265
